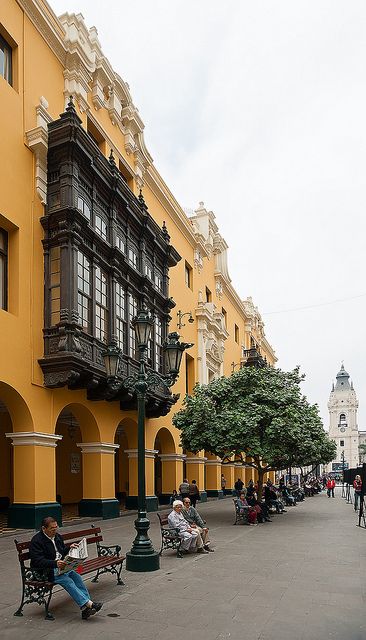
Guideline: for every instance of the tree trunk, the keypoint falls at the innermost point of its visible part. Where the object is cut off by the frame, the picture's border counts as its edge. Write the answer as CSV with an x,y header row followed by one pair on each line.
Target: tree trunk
x,y
261,473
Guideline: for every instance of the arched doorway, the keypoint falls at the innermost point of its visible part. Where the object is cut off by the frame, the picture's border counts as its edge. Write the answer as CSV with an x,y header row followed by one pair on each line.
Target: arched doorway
x,y
6,466
69,470
167,466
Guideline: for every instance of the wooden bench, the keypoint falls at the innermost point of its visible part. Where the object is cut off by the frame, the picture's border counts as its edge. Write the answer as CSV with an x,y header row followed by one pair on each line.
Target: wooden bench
x,y
169,537
35,584
241,513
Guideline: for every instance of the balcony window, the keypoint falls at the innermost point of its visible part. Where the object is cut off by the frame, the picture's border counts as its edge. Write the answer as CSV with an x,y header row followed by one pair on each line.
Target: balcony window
x,y
133,256
6,61
132,313
84,208
3,269
120,241
158,280
120,307
84,291
158,344
236,333
101,305
101,226
55,284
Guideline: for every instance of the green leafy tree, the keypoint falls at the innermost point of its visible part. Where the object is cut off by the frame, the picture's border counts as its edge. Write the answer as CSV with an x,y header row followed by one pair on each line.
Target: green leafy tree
x,y
259,411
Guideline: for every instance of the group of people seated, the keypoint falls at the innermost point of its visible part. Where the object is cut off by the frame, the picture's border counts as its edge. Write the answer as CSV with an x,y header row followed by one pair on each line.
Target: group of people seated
x,y
258,511
191,528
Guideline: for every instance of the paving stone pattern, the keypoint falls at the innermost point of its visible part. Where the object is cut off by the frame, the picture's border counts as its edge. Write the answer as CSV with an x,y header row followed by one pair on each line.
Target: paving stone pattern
x,y
300,577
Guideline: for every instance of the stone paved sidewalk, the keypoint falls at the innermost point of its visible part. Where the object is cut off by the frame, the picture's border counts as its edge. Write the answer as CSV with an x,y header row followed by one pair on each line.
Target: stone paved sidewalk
x,y
300,577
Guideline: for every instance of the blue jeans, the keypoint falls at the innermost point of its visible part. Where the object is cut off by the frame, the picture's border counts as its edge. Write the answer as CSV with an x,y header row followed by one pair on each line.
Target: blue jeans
x,y
73,583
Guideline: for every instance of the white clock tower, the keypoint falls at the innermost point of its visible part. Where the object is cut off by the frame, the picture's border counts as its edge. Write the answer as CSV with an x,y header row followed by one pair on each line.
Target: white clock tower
x,y
343,428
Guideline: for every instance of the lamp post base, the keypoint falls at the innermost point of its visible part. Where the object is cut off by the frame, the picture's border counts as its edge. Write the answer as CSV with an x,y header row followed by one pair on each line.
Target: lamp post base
x,y
137,562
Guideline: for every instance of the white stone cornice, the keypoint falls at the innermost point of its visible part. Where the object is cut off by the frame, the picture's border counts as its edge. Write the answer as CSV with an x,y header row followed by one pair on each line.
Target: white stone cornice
x,y
149,453
33,438
172,457
195,460
98,447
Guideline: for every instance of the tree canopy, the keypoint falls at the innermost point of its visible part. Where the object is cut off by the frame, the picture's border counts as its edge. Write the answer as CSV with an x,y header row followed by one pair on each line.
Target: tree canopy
x,y
259,411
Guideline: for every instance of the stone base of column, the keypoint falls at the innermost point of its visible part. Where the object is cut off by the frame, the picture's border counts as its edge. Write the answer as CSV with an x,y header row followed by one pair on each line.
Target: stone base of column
x,y
203,496
215,493
105,509
151,503
30,516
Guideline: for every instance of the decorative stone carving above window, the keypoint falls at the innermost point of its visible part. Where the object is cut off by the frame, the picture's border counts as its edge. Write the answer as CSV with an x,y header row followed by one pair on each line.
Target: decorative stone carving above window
x,y
37,141
198,260
212,334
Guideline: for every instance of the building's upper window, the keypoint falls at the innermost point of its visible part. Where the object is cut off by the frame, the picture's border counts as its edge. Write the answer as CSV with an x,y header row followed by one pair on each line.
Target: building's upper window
x,y
133,256
236,333
55,276
148,270
158,280
120,241
341,443
84,290
101,305
224,313
342,419
208,295
101,226
6,61
84,208
120,317
3,269
188,275
158,344
132,313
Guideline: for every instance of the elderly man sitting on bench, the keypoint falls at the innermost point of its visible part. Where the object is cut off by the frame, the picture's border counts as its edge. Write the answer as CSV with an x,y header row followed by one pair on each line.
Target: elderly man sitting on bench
x,y
194,519
190,536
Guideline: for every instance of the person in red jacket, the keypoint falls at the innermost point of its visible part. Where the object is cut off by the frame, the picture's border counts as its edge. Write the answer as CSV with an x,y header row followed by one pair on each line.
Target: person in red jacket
x,y
357,485
330,486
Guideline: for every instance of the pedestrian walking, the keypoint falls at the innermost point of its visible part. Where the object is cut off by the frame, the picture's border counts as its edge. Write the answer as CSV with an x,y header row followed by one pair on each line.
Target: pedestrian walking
x,y
194,493
330,487
223,483
357,485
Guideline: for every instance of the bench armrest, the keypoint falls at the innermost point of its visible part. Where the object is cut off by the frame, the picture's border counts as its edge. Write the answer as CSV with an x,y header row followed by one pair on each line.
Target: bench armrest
x,y
108,550
167,531
35,575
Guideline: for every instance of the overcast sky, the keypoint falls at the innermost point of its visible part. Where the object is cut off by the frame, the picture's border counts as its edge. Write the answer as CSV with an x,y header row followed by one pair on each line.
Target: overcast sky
x,y
258,109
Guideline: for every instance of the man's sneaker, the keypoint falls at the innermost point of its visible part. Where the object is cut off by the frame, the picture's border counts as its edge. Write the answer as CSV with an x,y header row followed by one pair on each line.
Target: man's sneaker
x,y
202,550
208,548
96,606
87,612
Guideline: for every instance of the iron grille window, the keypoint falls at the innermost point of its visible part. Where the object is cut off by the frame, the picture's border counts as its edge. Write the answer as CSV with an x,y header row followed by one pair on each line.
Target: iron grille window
x,y
3,269
6,61
84,290
101,305
120,307
132,313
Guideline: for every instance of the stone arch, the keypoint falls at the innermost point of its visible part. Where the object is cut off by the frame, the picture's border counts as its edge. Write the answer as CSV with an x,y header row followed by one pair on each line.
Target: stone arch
x,y
85,419
167,465
17,407
15,416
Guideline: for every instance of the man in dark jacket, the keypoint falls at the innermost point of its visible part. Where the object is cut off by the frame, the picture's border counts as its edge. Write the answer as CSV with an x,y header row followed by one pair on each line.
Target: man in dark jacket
x,y
47,550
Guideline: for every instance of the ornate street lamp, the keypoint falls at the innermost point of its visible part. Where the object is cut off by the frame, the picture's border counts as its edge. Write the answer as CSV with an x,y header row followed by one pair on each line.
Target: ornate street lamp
x,y
142,556
111,357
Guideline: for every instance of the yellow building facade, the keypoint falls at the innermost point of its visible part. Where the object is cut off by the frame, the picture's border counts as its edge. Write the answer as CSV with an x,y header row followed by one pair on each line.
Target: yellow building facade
x,y
61,441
